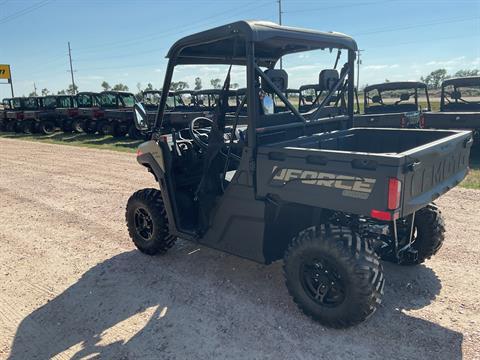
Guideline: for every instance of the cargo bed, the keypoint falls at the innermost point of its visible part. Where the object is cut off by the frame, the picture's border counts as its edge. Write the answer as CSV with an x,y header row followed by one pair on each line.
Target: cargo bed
x,y
349,170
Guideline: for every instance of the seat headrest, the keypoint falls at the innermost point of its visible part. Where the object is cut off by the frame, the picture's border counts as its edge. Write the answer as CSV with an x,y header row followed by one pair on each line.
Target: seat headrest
x,y
328,78
279,77
456,95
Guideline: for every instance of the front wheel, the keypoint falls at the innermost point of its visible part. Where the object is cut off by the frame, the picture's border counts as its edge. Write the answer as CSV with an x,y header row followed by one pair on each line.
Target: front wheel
x,y
27,126
77,126
134,133
333,275
147,222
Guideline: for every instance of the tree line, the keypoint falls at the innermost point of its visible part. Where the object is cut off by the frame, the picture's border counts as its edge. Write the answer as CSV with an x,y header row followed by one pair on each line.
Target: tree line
x,y
174,86
435,78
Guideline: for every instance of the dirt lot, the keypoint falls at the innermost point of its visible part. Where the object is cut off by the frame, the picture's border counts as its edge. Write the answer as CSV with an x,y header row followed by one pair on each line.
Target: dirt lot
x,y
72,285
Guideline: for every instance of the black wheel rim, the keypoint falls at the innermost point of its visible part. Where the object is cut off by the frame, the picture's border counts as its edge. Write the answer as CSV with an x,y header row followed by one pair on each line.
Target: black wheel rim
x,y
143,223
322,283
48,128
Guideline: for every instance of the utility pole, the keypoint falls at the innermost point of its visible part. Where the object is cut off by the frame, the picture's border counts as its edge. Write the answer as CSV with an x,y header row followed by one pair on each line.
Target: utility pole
x,y
280,23
35,89
71,68
359,62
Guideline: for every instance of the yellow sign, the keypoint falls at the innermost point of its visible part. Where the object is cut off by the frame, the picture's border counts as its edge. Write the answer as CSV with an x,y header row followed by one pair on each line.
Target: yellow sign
x,y
5,72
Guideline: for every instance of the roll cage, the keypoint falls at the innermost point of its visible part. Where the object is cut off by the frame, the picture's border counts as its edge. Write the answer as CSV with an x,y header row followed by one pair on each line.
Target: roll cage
x,y
116,99
454,100
34,103
88,99
257,45
66,101
151,99
414,89
7,103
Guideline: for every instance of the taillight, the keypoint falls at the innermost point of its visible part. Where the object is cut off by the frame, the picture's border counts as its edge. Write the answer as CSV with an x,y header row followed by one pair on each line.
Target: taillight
x,y
72,112
97,113
394,193
421,121
403,122
139,152
381,215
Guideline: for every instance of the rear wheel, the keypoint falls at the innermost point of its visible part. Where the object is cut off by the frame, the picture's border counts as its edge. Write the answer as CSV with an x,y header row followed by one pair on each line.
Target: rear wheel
x,y
333,275
47,127
119,130
105,127
429,234
147,222
90,127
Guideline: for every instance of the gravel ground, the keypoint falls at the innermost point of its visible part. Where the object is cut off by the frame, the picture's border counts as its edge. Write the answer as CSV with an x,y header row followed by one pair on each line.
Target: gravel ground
x,y
73,286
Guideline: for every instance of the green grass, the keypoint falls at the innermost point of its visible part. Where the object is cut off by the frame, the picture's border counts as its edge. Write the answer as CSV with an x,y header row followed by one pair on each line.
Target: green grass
x,y
83,140
472,180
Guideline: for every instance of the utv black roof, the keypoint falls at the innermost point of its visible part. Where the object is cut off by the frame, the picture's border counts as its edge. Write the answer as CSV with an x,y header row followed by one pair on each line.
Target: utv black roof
x,y
88,93
207,91
463,81
115,92
181,92
271,40
211,92
396,85
159,92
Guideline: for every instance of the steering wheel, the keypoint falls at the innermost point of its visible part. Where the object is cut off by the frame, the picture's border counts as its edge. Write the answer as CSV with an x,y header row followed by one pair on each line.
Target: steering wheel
x,y
197,134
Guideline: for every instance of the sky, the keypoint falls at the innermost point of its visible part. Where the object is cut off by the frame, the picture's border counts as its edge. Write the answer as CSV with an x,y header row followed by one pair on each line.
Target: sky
x,y
126,42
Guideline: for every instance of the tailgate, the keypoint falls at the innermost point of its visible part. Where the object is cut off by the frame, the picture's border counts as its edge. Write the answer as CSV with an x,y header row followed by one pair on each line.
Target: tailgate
x,y
452,120
433,169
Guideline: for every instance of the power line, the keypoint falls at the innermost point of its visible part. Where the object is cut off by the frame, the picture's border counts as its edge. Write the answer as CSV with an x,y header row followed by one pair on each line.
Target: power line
x,y
437,40
161,34
332,7
24,11
415,26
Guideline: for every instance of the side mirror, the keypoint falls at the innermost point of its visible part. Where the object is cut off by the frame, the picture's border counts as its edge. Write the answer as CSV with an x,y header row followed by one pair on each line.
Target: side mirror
x,y
309,98
404,97
377,99
140,117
